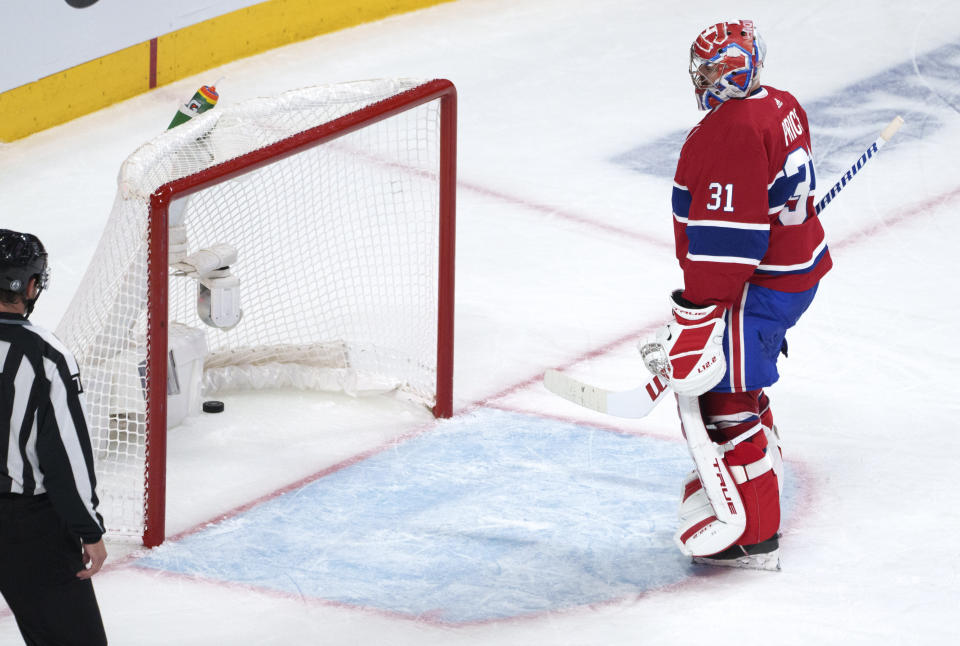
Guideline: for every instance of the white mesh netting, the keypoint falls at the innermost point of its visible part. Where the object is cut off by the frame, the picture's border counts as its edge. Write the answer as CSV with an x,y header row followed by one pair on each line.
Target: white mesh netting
x,y
337,261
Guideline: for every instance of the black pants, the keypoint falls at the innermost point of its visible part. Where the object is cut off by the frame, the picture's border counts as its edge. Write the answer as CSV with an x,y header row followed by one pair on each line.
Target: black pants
x,y
39,561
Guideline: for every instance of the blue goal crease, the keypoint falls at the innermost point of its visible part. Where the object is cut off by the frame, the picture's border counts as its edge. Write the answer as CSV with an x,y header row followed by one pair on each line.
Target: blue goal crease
x,y
493,515
845,121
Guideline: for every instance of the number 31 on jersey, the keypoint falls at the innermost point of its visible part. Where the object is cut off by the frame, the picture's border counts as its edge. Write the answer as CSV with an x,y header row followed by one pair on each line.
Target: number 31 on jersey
x,y
720,195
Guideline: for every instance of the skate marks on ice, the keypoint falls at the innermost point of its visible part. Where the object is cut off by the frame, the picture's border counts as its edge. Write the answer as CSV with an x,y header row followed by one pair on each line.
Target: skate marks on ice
x,y
920,90
493,515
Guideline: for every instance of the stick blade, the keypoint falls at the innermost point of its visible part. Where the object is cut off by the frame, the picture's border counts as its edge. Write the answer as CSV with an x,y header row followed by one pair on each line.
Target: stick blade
x,y
634,403
576,391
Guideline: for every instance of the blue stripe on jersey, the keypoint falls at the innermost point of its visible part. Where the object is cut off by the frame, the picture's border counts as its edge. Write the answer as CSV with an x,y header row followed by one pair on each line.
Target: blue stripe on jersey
x,y
725,241
804,270
784,187
681,199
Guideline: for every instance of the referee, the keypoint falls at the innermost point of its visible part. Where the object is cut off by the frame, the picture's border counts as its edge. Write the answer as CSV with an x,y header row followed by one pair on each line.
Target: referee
x,y
51,536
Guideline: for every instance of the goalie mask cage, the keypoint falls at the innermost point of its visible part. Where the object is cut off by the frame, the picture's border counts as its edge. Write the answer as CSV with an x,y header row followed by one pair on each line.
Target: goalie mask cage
x,y
340,203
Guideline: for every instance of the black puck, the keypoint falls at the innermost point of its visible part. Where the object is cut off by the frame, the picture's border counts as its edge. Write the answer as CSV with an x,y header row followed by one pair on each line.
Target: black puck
x,y
212,406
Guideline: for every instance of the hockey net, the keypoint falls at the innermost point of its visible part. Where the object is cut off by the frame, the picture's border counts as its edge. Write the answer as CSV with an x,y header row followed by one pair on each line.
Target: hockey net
x,y
339,203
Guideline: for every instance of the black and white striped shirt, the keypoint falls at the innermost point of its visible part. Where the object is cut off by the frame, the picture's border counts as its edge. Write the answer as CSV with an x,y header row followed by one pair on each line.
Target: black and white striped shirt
x,y
44,441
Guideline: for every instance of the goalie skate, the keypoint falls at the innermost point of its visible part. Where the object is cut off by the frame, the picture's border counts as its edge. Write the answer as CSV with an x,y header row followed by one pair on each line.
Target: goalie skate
x,y
760,556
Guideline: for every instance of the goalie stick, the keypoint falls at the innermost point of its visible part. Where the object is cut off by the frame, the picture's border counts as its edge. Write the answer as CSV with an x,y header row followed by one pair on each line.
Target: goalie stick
x,y
638,402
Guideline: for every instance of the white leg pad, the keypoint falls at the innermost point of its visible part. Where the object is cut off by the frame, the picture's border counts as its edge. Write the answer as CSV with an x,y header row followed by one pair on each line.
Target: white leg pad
x,y
712,515
700,532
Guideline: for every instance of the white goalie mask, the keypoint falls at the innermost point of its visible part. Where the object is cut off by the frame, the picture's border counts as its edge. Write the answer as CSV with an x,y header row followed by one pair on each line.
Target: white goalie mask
x,y
725,62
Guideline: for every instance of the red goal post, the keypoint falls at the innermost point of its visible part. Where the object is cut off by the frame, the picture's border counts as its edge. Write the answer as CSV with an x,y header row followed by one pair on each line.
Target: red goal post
x,y
405,171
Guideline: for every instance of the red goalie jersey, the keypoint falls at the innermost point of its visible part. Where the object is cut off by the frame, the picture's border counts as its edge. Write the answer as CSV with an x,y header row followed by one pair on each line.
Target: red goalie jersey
x,y
743,201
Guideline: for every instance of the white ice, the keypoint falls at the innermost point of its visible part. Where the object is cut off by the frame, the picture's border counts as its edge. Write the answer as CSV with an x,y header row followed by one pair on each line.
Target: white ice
x,y
564,259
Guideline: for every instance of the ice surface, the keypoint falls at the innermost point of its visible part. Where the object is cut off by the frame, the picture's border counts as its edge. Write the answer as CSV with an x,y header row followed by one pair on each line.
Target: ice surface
x,y
569,115
492,515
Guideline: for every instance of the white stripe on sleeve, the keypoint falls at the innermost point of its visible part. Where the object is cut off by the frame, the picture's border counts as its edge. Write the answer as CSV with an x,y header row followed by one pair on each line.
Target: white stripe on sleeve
x,y
732,259
729,225
802,265
22,384
68,435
